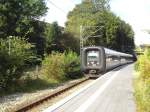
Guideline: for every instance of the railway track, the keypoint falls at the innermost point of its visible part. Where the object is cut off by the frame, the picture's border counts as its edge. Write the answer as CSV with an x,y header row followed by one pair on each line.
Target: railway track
x,y
33,104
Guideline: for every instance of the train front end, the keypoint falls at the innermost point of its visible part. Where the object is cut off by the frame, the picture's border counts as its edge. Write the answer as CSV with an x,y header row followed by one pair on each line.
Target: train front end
x,y
92,61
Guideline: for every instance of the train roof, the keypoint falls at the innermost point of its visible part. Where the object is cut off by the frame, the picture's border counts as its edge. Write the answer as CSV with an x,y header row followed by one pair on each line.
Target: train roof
x,y
109,51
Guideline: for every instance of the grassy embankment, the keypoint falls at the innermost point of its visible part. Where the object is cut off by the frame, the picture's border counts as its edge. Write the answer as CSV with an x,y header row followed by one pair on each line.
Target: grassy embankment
x,y
142,82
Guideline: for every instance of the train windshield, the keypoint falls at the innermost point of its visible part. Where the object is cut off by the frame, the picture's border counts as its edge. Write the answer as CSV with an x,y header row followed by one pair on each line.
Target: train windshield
x,y
92,58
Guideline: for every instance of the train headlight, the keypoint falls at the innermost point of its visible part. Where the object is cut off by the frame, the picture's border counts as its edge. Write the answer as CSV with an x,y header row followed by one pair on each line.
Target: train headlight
x,y
92,62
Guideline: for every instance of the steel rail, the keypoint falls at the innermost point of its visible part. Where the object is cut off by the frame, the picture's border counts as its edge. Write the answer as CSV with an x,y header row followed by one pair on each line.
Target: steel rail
x,y
30,105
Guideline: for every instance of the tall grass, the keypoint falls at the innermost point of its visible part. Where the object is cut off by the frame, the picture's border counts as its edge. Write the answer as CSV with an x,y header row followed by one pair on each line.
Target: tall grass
x,y
142,82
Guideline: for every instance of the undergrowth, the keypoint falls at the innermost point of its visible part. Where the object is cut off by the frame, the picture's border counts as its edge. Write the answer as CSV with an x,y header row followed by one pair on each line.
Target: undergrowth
x,y
56,68
142,82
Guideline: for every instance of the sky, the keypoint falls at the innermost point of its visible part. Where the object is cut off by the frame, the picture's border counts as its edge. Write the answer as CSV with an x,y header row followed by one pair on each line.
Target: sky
x,y
134,12
137,14
58,10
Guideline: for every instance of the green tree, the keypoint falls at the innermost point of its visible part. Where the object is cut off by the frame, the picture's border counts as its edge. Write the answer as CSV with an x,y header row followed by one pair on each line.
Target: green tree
x,y
53,39
112,30
38,37
16,16
69,42
14,55
125,38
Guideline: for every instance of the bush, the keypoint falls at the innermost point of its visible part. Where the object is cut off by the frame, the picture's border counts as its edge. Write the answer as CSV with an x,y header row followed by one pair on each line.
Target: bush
x,y
142,82
143,65
72,65
142,95
59,66
14,51
52,66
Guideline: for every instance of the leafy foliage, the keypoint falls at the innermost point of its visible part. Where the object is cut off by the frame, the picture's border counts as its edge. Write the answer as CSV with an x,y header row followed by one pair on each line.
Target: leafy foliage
x,y
16,16
37,37
14,53
72,65
69,42
113,32
20,18
59,66
53,37
142,82
143,65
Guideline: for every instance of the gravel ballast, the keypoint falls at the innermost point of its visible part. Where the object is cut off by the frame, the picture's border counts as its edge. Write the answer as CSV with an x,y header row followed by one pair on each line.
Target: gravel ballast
x,y
10,102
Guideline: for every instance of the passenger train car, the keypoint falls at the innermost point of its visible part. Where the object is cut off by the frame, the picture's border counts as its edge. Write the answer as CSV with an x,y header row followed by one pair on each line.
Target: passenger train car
x,y
95,60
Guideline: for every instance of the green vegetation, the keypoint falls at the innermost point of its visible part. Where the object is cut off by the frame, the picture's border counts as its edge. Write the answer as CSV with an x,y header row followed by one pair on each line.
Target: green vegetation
x,y
142,82
56,68
17,16
36,55
61,66
26,42
14,53
115,33
53,39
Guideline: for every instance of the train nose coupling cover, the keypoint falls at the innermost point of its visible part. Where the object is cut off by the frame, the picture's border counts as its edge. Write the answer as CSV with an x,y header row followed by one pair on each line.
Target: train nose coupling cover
x,y
92,71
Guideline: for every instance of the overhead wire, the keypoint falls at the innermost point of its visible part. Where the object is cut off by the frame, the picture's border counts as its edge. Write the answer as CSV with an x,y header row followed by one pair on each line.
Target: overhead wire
x,y
56,6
